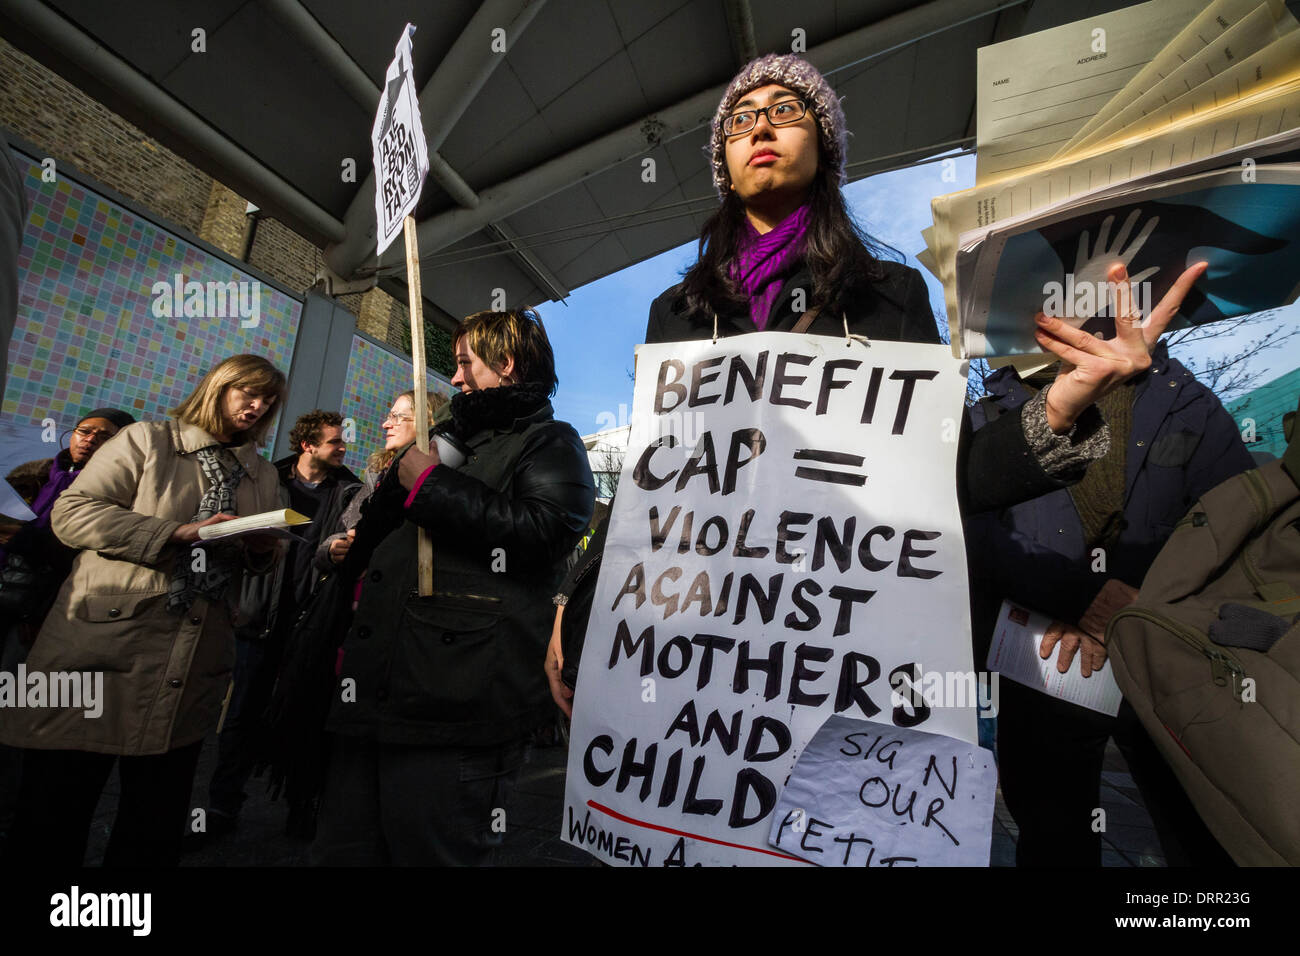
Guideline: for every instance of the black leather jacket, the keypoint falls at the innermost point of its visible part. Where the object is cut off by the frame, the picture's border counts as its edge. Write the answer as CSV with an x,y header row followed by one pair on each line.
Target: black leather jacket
x,y
463,666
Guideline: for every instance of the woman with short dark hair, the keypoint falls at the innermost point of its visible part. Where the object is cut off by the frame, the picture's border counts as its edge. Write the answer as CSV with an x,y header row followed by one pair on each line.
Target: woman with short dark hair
x,y
440,693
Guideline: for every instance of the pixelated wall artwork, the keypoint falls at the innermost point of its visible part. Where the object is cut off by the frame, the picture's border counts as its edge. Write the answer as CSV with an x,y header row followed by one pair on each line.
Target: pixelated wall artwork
x,y
87,334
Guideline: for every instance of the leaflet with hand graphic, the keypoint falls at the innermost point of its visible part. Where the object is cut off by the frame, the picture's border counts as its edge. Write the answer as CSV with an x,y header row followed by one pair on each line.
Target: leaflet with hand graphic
x,y
1249,232
1017,637
1221,99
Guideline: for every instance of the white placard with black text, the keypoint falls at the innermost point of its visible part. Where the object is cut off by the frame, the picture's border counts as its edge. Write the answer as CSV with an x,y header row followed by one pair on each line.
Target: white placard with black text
x,y
785,545
397,146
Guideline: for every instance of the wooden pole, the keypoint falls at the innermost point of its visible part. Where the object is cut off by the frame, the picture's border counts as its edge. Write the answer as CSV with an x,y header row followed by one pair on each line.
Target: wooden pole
x,y
424,549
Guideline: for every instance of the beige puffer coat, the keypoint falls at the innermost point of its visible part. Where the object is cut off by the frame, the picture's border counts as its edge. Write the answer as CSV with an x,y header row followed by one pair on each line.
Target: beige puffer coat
x,y
164,674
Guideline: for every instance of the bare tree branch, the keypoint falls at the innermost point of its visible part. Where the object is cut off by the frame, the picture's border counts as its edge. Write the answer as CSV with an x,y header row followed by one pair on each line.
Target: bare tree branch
x,y
1238,370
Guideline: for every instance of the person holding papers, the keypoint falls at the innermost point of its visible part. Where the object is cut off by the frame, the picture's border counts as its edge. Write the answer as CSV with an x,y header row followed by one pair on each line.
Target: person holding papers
x,y
1078,555
146,616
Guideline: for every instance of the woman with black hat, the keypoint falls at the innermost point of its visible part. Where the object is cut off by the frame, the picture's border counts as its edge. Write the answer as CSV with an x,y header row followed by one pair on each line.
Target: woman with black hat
x,y
33,561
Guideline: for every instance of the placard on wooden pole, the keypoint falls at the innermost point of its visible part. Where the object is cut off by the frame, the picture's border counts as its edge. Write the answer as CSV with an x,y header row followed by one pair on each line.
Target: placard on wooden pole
x,y
424,548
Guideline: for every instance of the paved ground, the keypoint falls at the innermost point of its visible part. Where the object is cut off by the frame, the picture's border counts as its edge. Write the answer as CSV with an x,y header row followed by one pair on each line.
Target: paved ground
x,y
532,835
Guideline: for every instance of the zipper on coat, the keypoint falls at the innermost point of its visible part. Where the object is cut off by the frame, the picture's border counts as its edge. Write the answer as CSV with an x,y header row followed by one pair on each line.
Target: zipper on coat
x,y
415,593
1224,665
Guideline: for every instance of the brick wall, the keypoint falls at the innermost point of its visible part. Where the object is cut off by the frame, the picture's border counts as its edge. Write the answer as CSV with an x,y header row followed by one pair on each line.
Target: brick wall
x,y
65,123
55,116
225,221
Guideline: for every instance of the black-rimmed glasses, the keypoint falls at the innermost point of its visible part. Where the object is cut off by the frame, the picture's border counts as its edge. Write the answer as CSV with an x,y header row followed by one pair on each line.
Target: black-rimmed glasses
x,y
778,114
98,434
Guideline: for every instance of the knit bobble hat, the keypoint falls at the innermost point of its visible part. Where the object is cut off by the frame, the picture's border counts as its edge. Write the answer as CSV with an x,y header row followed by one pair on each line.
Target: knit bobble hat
x,y
794,74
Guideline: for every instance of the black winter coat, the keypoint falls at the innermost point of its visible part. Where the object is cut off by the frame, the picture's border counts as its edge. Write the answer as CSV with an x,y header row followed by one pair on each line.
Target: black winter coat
x,y
463,667
995,468
260,595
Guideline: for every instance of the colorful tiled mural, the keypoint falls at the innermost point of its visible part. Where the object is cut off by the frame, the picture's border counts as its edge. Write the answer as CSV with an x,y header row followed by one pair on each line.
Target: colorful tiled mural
x,y
90,330
375,377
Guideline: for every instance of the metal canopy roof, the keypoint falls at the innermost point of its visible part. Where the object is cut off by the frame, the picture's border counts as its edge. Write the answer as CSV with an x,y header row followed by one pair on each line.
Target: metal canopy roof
x,y
537,184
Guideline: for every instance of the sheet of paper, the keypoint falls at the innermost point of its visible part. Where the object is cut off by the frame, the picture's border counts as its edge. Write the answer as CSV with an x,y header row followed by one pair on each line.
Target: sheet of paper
x,y
273,532
1281,148
1207,27
1247,230
273,523
1014,654
1257,52
869,794
12,504
1218,132
1035,92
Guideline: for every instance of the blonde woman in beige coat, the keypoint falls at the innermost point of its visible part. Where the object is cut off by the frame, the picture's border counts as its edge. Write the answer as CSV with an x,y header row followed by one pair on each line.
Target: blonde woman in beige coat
x,y
145,619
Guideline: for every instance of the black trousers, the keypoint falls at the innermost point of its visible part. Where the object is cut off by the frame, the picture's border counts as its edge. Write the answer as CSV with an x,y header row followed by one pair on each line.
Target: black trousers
x,y
61,788
1050,756
242,735
386,805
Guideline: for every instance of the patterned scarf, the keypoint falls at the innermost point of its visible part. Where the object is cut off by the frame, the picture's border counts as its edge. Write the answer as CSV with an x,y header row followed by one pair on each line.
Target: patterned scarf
x,y
219,561
762,262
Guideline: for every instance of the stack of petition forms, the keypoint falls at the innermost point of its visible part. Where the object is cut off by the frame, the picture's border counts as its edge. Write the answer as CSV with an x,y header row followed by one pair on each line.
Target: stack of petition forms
x,y
1158,135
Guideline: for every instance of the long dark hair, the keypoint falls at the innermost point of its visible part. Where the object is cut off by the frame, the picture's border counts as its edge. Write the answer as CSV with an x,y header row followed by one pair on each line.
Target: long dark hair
x,y
841,257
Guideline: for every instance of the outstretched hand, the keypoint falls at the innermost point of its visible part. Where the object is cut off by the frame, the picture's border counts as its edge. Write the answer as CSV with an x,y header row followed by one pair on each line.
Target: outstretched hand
x,y
1092,367
1092,265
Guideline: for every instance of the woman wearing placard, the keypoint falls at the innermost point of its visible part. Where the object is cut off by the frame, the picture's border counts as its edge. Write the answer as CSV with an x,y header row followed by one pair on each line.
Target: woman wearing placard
x,y
782,254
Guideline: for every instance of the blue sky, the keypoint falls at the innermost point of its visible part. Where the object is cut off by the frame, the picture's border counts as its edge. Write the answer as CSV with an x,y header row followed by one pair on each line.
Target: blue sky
x,y
594,334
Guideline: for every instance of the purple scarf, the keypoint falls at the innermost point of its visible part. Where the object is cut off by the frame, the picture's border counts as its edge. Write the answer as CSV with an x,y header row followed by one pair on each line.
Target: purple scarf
x,y
762,262
61,474
60,477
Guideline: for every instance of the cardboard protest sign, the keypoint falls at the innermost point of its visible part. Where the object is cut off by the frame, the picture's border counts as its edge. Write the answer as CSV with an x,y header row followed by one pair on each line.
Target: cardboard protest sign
x,y
397,145
785,545
865,793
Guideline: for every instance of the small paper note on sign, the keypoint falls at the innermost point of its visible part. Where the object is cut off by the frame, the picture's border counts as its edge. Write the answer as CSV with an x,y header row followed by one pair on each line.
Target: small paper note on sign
x,y
869,794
